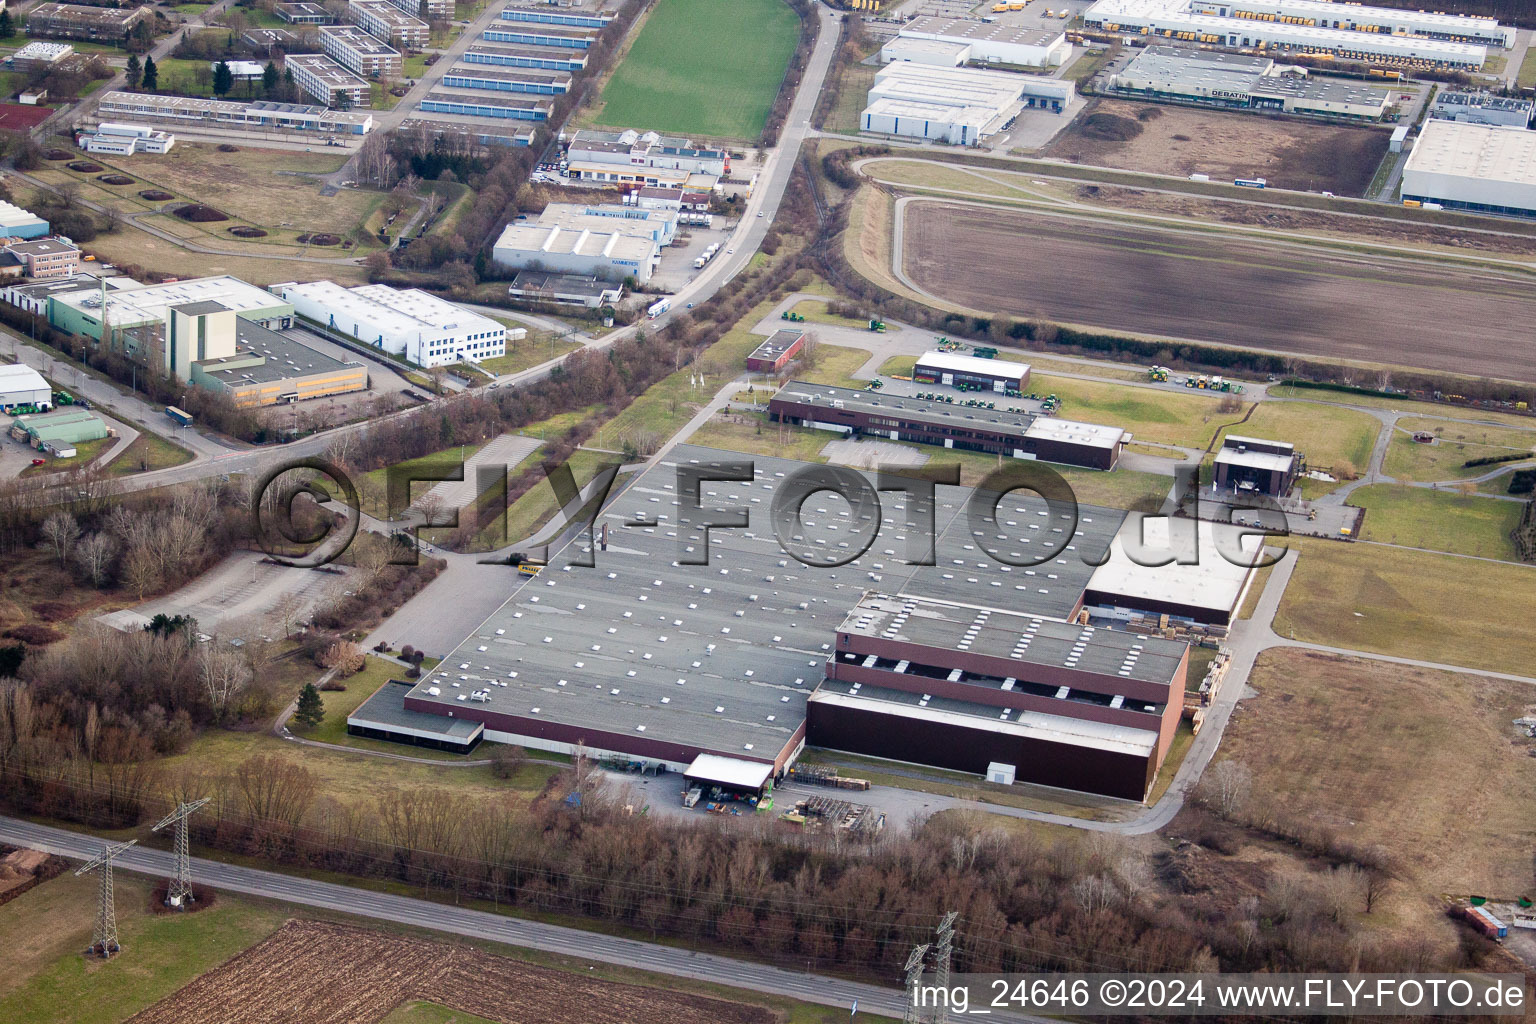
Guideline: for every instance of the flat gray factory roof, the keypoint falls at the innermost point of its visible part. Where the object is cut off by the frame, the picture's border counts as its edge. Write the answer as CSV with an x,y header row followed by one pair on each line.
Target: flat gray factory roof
x,y
722,656
827,397
201,308
387,708
1034,725
1023,638
286,358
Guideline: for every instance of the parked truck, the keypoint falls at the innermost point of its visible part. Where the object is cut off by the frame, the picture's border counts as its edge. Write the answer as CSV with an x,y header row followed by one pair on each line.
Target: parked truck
x,y
691,798
1481,919
181,419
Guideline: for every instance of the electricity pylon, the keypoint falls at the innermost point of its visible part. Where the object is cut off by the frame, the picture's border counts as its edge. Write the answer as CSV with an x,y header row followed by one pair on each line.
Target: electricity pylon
x,y
914,976
178,892
104,939
943,952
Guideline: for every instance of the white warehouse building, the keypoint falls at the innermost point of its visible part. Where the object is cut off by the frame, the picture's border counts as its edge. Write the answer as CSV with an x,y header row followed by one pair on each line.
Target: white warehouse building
x,y
22,385
955,41
1481,167
960,106
409,322
1288,27
608,241
124,139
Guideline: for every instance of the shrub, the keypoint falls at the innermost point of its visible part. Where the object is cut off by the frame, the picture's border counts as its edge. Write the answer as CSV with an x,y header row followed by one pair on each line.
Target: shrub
x,y
506,760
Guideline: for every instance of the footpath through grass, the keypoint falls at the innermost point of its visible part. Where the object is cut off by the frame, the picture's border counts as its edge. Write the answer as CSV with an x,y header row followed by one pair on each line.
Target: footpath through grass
x,y
702,68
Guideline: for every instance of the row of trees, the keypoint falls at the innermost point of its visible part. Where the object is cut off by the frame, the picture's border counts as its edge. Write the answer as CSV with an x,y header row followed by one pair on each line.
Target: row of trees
x,y
1089,902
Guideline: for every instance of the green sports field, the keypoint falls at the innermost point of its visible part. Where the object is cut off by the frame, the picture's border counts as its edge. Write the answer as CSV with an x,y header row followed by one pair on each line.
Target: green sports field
x,y
702,68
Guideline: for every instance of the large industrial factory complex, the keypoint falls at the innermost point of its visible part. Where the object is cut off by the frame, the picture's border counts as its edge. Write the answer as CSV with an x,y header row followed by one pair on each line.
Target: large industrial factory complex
x,y
686,641
1466,166
1376,35
1239,82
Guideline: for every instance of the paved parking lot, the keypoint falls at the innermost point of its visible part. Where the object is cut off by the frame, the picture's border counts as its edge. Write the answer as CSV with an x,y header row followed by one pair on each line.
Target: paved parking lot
x,y
676,267
240,586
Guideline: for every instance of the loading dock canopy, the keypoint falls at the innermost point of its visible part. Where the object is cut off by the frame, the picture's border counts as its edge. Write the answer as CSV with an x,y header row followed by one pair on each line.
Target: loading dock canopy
x,y
729,772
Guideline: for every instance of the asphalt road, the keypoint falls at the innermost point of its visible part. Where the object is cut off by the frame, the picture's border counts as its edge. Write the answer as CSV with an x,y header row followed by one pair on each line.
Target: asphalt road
x,y
475,924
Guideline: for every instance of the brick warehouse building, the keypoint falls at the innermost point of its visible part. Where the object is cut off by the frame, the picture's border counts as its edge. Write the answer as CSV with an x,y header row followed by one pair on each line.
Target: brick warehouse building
x,y
776,350
923,421
963,687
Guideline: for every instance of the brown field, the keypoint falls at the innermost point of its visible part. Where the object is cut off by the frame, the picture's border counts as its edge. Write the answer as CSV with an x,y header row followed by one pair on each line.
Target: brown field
x,y
310,972
1423,763
1230,291
1177,140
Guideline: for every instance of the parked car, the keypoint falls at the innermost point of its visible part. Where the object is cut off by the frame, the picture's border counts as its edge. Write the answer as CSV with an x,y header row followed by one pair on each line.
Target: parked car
x,y
39,462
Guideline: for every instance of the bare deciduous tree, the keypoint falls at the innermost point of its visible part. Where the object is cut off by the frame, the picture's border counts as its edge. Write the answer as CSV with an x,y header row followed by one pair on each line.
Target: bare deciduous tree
x,y
430,505
1226,787
93,557
61,531
224,674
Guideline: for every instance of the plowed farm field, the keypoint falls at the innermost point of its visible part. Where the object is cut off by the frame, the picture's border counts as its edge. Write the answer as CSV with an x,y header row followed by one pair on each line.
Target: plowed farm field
x,y
1234,291
311,972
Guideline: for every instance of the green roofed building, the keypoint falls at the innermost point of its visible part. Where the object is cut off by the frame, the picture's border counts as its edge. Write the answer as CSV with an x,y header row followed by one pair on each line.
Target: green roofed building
x,y
58,430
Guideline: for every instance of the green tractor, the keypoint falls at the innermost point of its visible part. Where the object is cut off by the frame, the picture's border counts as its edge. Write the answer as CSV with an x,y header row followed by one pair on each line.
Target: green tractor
x,y
878,326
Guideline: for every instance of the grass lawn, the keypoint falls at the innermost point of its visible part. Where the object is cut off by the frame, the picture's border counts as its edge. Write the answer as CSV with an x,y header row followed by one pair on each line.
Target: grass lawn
x,y
1441,520
1411,604
852,98
46,978
1455,443
379,97
1338,441
702,68
1087,64
347,776
1405,405
835,365
815,312
752,434
537,348
87,451
1164,416
373,486
1527,76
1418,761
185,77
148,451
416,66
537,505
341,703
